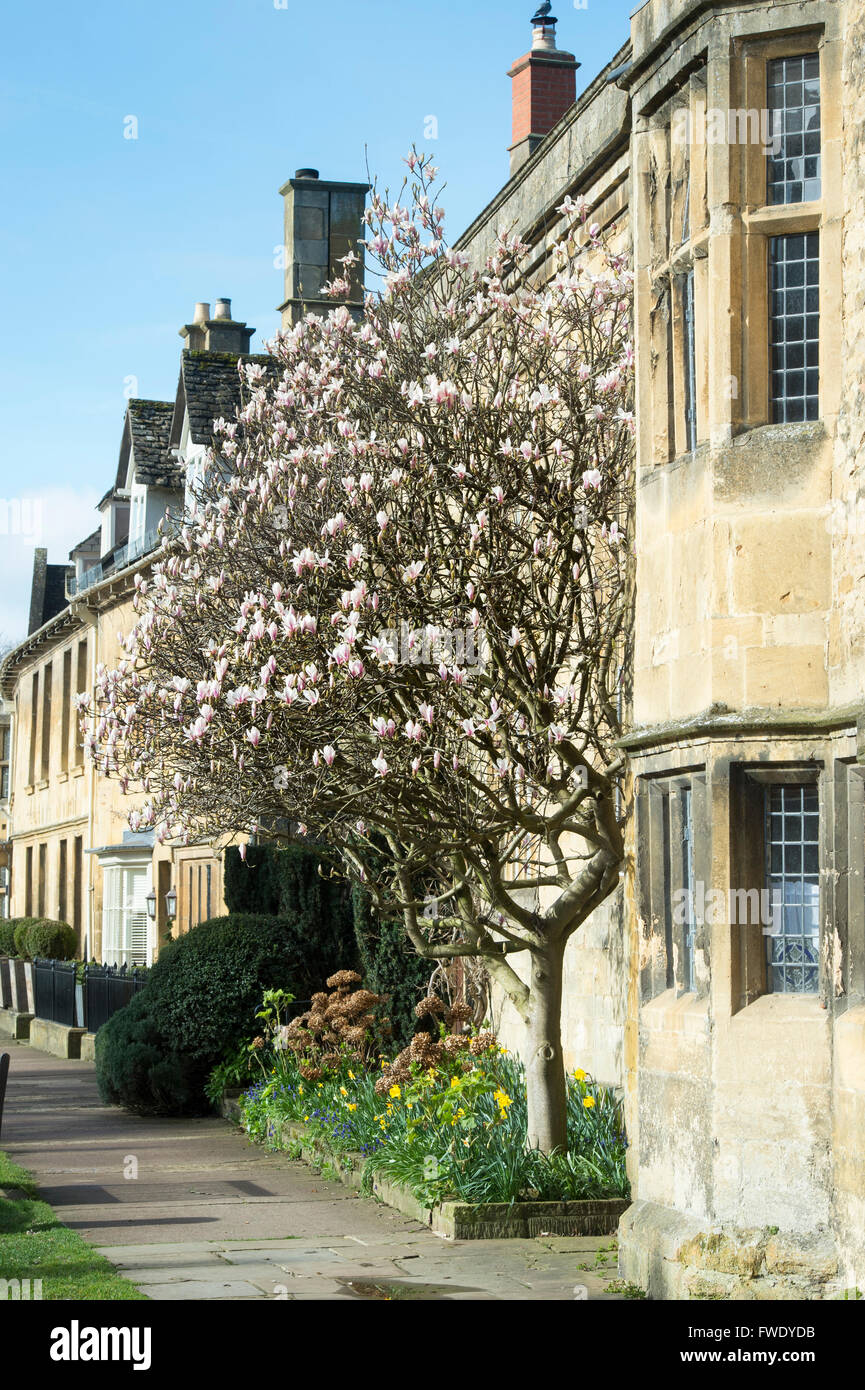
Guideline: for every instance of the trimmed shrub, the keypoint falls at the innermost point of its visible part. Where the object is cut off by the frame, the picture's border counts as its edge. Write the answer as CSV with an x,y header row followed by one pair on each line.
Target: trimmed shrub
x,y
136,1068
285,881
7,938
50,940
20,927
390,966
154,1055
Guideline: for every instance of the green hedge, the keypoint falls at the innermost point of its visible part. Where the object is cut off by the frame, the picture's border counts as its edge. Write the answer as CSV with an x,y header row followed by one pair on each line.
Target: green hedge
x,y
154,1055
7,937
319,918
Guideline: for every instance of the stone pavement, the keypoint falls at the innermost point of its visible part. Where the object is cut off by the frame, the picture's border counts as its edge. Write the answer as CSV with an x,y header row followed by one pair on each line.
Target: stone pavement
x,y
189,1209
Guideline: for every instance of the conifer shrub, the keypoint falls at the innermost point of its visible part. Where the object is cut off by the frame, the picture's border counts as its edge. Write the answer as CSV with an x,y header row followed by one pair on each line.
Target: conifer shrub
x,y
289,881
390,965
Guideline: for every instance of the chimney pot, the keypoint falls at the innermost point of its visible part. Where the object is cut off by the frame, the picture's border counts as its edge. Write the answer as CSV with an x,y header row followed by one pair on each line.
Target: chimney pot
x,y
202,312
306,174
544,88
223,309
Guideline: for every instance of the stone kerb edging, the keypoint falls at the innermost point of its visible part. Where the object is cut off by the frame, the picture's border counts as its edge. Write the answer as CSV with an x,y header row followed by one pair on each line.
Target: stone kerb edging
x,y
456,1220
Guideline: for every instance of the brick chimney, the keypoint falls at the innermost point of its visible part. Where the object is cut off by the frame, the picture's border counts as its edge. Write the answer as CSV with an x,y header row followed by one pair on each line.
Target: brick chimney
x,y
544,87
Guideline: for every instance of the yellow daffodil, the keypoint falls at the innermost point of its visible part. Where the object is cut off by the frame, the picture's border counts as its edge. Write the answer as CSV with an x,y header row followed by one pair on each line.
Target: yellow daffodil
x,y
300,1090
306,1117
409,1105
351,1076
455,1081
502,1101
395,1092
589,1102
579,1074
352,1107
343,1091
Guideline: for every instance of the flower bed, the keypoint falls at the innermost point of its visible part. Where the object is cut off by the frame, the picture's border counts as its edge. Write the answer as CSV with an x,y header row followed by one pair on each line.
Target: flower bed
x,y
444,1122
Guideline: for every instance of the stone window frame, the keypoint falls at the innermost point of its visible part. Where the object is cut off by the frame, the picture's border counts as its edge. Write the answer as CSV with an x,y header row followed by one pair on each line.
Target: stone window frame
x,y
846,958
659,876
681,220
761,220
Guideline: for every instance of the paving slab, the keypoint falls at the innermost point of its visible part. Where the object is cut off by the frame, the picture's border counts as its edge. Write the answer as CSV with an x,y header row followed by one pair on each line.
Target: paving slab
x,y
188,1209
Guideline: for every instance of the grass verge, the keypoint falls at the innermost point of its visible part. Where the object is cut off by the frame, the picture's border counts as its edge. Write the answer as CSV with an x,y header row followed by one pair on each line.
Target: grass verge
x,y
34,1245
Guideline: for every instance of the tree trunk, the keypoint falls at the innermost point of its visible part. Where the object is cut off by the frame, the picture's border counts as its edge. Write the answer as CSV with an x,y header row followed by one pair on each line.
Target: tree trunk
x,y
545,1066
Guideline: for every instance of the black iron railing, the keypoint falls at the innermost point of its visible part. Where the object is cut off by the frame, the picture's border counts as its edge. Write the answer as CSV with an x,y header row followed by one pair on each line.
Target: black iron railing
x,y
54,991
108,988
63,993
5,985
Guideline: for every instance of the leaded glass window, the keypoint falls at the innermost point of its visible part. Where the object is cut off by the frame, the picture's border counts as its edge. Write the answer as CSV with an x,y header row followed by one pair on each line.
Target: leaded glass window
x,y
792,838
794,326
793,101
688,977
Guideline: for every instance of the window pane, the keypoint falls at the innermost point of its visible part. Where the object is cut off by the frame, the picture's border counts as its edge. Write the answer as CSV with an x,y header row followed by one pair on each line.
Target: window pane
x,y
689,980
690,363
792,832
793,101
794,326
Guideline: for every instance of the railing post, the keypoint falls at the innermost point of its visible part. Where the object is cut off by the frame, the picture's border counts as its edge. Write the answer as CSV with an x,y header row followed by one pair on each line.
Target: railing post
x,y
4,1073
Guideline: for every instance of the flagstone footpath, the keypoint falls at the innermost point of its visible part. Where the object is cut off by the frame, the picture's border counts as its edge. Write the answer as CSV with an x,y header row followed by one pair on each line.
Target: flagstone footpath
x,y
189,1209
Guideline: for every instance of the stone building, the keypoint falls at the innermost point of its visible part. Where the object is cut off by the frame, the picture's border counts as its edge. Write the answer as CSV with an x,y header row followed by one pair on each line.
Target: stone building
x,y
73,854
724,988
66,849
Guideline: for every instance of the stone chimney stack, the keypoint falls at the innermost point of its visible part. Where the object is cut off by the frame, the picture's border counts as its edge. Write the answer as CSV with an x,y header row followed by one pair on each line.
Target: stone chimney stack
x,y
221,333
323,222
544,88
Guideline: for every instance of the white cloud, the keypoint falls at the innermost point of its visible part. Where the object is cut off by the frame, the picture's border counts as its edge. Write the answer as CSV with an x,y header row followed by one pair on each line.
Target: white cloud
x,y
56,518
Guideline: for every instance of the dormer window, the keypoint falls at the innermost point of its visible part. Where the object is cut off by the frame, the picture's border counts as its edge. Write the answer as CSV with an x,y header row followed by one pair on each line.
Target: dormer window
x,y
115,521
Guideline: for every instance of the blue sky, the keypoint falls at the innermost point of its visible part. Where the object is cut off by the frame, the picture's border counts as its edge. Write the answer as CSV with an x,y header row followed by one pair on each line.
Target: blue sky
x,y
106,243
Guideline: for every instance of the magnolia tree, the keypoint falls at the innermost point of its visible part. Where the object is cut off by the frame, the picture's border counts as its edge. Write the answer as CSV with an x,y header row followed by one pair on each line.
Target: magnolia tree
x,y
398,616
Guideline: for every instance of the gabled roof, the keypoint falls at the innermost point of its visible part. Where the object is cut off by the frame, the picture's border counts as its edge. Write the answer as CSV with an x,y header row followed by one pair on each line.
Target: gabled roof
x,y
146,437
89,544
210,387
